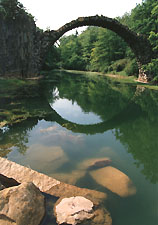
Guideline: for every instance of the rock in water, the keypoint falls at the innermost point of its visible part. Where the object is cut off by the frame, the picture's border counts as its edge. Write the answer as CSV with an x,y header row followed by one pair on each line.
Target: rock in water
x,y
69,178
114,180
74,210
94,163
99,164
21,205
1,186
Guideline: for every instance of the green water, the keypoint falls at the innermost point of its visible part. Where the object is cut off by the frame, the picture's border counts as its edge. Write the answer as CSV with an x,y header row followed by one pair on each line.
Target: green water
x,y
57,125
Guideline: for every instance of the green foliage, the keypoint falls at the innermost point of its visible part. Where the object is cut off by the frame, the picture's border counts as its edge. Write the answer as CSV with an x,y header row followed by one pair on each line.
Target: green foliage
x,y
88,39
101,50
144,17
52,60
153,38
108,48
97,49
152,68
118,65
131,68
71,53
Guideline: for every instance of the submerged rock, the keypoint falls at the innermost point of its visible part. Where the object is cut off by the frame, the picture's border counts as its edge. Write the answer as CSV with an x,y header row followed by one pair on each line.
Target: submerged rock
x,y
47,184
21,205
47,157
70,178
1,186
22,174
99,164
101,216
74,210
114,180
19,174
94,163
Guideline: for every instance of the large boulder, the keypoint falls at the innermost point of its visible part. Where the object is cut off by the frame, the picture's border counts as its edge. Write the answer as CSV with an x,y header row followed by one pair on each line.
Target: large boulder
x,y
4,220
21,205
114,180
46,156
74,210
20,174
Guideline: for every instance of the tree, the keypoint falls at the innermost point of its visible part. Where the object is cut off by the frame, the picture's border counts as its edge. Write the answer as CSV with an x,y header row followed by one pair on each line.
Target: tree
x,y
145,17
52,60
108,48
71,53
99,49
88,39
11,8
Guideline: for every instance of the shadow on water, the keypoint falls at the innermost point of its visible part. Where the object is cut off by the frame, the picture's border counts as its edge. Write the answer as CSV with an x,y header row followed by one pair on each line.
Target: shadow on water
x,y
49,218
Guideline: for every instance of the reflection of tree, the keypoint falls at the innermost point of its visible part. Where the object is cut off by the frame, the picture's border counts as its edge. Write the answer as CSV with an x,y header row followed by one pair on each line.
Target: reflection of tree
x,y
133,114
140,137
16,136
20,112
130,113
95,94
5,149
148,101
21,118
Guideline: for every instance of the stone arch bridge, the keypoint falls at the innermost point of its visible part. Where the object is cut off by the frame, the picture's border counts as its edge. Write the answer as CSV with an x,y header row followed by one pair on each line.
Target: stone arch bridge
x,y
24,46
137,42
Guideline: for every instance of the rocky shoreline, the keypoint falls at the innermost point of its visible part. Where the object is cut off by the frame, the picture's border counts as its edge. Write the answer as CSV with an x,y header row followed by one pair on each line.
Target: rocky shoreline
x,y
23,199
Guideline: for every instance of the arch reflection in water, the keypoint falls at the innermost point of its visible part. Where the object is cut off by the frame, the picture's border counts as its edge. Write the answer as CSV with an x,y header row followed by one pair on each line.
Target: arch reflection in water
x,y
71,111
126,135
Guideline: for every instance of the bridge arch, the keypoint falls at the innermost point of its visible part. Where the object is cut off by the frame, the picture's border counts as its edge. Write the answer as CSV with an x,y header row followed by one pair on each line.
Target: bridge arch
x,y
137,42
123,117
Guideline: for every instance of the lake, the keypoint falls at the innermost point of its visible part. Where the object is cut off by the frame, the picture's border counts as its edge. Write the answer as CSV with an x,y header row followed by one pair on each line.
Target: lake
x,y
66,122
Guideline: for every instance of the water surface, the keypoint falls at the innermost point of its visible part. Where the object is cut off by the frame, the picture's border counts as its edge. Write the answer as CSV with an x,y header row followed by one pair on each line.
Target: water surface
x,y
55,127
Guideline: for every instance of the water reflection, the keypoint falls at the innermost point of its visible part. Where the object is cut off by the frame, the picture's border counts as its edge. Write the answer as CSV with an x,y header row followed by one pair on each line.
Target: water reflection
x,y
129,111
73,112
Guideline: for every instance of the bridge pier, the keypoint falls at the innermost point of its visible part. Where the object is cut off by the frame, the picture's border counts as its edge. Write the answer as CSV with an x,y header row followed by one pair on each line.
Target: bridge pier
x,y
142,76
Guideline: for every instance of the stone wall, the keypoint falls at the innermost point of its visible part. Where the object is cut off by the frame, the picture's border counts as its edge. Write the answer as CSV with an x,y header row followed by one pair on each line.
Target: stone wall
x,y
19,46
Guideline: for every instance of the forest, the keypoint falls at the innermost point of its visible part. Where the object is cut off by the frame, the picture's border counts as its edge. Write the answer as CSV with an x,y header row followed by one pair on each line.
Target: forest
x,y
101,50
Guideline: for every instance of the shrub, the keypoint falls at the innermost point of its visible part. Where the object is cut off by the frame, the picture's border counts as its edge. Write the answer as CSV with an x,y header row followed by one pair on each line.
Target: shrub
x,y
119,65
131,68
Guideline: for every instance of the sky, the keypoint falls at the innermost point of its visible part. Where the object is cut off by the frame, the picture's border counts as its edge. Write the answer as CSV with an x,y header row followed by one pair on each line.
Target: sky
x,y
55,13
